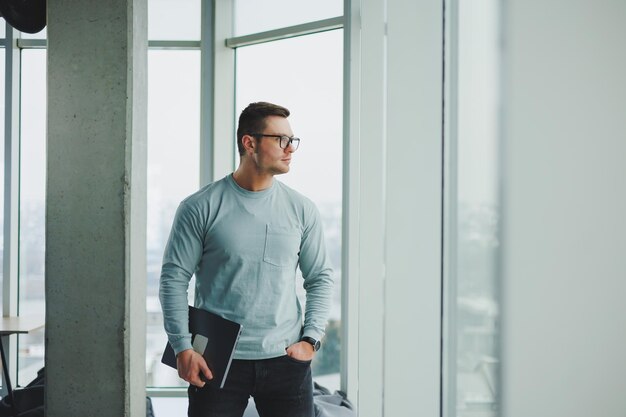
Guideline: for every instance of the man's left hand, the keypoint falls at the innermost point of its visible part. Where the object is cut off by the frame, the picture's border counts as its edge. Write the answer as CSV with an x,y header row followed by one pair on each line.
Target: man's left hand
x,y
301,351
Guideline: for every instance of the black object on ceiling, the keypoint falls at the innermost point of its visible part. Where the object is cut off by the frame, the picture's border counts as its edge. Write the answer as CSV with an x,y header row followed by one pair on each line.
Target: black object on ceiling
x,y
24,15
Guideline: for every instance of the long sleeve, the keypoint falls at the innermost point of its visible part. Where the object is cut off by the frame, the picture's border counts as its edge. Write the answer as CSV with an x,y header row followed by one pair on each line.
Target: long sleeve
x,y
243,248
180,260
318,277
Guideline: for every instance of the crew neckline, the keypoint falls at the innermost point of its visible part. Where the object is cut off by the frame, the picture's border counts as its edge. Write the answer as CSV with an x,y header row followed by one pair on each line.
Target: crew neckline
x,y
248,193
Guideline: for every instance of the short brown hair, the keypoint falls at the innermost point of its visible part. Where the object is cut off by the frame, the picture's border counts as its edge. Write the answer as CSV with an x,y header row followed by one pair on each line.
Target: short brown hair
x,y
252,119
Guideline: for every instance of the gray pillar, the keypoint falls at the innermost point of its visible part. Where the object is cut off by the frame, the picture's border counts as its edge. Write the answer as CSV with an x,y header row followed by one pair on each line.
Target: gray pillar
x,y
96,197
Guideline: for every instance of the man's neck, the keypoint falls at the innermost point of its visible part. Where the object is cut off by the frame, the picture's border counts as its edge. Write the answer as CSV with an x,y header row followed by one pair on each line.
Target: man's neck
x,y
249,179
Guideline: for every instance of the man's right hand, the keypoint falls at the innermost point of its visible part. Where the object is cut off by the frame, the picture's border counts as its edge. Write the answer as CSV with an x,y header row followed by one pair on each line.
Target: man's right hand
x,y
190,364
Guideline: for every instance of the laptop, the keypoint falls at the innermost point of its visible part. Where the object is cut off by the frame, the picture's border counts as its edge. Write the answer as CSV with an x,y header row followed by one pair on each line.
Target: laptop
x,y
215,338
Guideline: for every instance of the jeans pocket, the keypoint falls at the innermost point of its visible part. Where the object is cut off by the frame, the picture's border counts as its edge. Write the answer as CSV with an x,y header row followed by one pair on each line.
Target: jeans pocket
x,y
298,361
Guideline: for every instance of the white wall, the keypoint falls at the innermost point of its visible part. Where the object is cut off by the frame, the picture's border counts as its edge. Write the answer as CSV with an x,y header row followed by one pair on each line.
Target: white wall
x,y
412,171
564,265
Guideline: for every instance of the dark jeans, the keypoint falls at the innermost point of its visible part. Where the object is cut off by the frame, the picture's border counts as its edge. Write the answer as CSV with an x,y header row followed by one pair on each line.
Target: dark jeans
x,y
281,387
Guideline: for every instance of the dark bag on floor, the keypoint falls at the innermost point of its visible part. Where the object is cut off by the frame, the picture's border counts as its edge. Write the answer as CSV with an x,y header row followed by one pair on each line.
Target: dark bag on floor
x,y
331,405
28,399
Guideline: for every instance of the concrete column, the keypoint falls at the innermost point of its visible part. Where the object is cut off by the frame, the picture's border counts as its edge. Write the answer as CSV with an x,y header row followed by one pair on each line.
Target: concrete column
x,y
96,197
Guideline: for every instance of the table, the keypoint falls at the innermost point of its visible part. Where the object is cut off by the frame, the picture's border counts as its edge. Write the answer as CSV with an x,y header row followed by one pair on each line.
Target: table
x,y
16,325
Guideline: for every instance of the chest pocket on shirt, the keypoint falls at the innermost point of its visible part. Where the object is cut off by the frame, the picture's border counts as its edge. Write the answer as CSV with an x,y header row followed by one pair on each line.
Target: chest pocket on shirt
x,y
282,245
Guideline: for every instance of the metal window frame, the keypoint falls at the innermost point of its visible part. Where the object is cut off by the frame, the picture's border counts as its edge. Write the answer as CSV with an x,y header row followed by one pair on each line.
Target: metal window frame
x,y
286,32
10,297
11,182
351,183
358,360
217,128
153,44
450,212
218,106
221,94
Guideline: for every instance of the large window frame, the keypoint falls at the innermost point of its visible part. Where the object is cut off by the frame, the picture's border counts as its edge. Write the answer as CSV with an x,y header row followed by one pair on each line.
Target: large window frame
x,y
11,192
218,111
217,46
14,45
373,370
391,327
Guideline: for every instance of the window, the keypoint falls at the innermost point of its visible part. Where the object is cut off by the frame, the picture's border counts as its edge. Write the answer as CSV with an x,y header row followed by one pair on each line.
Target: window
x,y
2,74
32,208
173,152
173,174
174,146
474,315
30,219
43,34
253,16
305,74
174,120
174,19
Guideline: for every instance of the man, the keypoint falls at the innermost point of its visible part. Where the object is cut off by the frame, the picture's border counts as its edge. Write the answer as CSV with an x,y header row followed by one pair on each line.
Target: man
x,y
244,237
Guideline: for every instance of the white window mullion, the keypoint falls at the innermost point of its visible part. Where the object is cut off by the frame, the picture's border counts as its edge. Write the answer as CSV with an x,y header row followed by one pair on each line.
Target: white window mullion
x,y
350,222
11,192
369,128
223,91
449,324
206,94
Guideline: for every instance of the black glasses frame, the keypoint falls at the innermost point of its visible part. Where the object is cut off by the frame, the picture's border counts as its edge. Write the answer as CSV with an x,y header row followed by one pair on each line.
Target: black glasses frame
x,y
283,140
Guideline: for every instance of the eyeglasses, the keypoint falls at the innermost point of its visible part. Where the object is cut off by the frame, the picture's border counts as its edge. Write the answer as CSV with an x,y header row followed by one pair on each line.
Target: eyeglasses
x,y
283,140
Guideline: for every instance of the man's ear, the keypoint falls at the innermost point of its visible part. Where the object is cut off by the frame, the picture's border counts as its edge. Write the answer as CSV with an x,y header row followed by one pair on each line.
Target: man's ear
x,y
248,143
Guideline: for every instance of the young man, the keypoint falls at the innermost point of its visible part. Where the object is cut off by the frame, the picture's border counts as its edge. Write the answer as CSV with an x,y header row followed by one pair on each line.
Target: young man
x,y
244,236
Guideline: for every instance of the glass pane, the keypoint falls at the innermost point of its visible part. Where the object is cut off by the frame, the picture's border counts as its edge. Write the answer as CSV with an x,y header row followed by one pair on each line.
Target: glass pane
x,y
477,217
2,69
252,16
313,91
43,34
174,19
2,28
32,207
173,174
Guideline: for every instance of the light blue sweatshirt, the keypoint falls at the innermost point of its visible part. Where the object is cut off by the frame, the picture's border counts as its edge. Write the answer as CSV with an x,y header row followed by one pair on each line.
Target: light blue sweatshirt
x,y
244,248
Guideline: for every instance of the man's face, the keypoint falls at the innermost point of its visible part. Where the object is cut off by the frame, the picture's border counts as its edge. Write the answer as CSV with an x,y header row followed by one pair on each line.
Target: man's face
x,y
269,156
